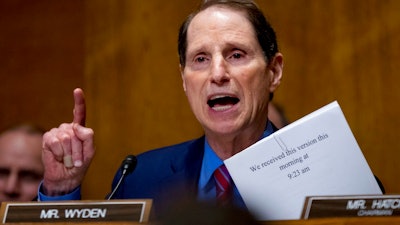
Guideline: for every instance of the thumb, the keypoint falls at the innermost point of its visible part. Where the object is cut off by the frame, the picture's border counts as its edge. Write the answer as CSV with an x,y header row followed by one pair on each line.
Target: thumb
x,y
83,133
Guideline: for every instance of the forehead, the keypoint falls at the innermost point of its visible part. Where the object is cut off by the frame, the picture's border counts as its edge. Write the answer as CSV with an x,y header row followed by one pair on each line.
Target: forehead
x,y
19,143
220,21
21,151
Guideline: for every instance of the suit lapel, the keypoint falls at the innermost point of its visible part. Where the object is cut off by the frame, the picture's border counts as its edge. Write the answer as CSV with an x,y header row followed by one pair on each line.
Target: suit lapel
x,y
181,186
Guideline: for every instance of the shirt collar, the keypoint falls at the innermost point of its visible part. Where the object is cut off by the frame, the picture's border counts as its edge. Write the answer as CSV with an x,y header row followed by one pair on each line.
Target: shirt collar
x,y
211,161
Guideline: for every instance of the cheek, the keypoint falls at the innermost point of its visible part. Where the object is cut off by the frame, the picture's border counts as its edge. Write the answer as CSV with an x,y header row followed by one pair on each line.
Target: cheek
x,y
258,90
30,187
192,96
192,86
257,84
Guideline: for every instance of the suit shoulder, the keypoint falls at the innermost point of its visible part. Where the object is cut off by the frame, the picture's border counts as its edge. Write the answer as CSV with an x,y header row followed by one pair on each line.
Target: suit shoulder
x,y
173,151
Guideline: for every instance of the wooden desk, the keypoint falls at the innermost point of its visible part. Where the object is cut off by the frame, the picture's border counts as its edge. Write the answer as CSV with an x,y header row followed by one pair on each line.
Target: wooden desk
x,y
388,220
325,221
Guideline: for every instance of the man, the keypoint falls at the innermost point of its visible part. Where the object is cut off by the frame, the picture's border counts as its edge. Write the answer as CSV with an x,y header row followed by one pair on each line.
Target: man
x,y
230,66
21,168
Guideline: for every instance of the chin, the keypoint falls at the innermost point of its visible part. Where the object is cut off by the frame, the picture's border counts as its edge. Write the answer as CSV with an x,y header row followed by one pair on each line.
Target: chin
x,y
223,130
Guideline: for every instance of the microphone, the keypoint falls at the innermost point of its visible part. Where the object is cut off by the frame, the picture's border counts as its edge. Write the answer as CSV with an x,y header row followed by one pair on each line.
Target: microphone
x,y
127,167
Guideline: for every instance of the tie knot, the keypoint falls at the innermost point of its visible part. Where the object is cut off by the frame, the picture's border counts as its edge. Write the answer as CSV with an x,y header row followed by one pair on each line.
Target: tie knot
x,y
222,170
223,184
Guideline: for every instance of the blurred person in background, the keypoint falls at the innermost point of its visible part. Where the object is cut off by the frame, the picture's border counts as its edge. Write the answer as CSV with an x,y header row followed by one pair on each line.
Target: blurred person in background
x,y
21,167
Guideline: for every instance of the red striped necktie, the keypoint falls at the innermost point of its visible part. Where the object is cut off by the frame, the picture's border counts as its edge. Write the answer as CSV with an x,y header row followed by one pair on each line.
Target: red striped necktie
x,y
223,184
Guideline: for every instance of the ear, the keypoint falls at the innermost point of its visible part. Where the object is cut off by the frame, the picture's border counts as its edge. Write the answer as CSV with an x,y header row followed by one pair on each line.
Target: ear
x,y
181,69
275,69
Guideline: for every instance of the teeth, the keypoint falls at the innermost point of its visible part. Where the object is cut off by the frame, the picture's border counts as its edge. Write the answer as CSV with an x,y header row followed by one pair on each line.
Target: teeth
x,y
222,108
222,102
218,96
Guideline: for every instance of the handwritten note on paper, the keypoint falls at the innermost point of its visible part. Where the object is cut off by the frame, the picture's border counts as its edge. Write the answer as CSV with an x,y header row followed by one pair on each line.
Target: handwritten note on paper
x,y
316,155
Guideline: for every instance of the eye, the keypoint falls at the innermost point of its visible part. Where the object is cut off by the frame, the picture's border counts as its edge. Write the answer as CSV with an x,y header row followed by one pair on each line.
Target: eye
x,y
200,59
4,173
30,176
199,62
237,55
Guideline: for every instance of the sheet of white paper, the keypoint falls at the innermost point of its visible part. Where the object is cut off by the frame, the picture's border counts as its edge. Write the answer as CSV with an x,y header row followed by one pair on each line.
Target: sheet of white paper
x,y
316,155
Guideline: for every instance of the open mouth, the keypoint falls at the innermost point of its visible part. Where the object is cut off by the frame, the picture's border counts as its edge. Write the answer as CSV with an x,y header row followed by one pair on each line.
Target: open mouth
x,y
220,103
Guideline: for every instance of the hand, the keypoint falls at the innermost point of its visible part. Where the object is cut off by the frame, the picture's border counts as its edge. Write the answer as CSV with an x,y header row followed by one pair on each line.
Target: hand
x,y
67,151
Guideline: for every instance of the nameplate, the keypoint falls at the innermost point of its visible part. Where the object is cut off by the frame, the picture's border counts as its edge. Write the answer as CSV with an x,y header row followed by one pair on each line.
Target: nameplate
x,y
351,206
137,210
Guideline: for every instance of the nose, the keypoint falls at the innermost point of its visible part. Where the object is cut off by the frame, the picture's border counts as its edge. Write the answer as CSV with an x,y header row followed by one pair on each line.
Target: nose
x,y
219,71
12,185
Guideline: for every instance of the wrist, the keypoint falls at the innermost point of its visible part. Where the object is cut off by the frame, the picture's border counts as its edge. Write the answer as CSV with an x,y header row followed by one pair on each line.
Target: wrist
x,y
52,190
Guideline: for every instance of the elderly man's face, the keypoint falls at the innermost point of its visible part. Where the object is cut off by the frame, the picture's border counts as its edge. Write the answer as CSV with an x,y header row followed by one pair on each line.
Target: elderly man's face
x,y
21,168
226,77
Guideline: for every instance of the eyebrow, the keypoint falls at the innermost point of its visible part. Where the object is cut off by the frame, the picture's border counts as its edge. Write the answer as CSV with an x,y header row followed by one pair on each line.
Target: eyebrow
x,y
23,172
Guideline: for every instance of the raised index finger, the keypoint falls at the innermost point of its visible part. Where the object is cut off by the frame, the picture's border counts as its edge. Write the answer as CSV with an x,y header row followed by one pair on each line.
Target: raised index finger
x,y
79,107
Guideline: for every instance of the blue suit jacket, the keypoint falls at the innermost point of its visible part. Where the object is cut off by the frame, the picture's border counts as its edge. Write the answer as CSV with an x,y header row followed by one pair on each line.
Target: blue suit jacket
x,y
168,175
